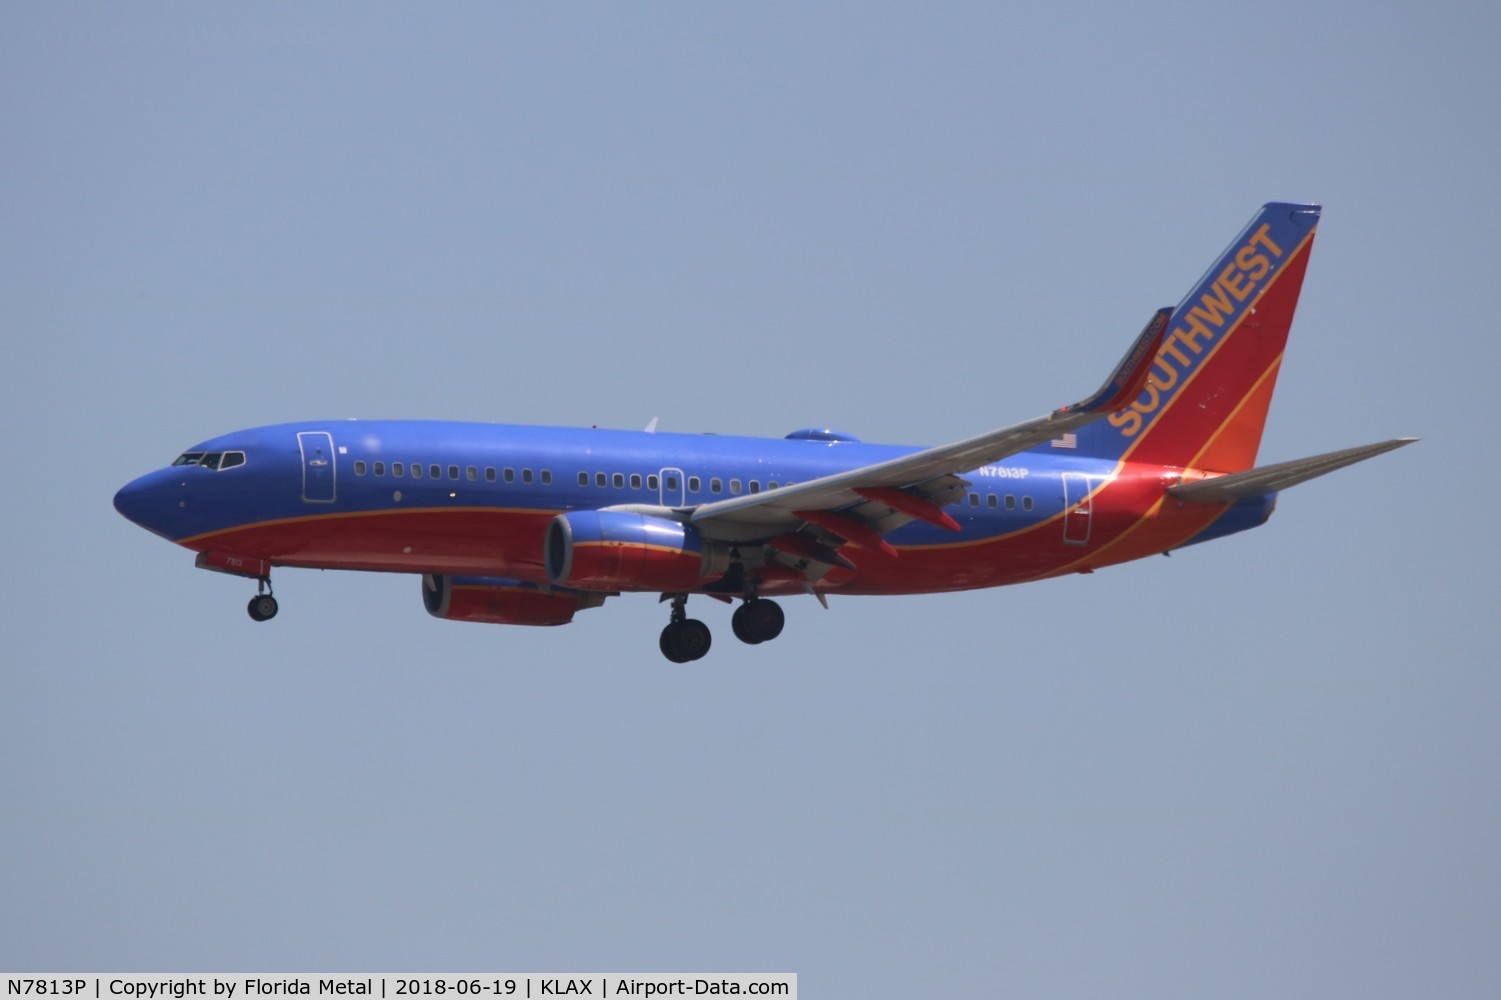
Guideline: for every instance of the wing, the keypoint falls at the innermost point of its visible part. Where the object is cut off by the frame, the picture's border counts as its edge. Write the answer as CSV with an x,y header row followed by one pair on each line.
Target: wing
x,y
860,505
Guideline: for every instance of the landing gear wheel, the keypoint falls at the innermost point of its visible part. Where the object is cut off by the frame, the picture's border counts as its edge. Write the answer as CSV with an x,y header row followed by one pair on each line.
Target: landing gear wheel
x,y
262,607
758,620
686,640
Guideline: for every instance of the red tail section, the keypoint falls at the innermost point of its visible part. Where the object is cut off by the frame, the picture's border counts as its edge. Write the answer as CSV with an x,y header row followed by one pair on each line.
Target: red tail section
x,y
1206,401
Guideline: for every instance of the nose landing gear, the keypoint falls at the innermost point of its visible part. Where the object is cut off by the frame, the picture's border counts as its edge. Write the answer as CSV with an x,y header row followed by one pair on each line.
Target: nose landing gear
x,y
263,606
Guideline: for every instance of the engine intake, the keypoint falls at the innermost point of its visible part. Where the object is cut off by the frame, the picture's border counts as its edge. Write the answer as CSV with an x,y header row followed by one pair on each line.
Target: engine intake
x,y
619,550
499,601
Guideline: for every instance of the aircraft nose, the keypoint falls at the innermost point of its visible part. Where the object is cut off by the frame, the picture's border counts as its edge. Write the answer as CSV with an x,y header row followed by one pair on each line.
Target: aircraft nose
x,y
144,501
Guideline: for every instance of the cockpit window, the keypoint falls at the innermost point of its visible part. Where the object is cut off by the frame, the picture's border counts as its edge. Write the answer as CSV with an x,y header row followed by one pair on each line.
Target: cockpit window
x,y
216,461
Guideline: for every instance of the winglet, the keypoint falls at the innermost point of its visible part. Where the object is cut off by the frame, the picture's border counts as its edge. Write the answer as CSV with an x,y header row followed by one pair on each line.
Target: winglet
x,y
1130,376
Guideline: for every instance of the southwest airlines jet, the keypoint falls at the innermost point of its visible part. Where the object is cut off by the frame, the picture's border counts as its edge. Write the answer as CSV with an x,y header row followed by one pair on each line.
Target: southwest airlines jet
x,y
529,525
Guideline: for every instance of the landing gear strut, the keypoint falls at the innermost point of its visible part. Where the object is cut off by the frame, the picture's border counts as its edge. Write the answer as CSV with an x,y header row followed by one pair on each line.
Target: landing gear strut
x,y
684,639
757,620
263,606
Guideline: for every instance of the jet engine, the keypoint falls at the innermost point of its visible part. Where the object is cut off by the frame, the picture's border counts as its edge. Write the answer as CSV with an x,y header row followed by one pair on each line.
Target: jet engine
x,y
619,550
500,601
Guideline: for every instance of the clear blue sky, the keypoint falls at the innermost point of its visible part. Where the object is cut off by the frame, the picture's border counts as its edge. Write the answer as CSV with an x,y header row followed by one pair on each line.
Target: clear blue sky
x,y
1264,767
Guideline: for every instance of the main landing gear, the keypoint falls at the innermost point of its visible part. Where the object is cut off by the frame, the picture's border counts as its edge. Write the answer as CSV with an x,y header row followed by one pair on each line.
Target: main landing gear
x,y
686,639
263,606
758,620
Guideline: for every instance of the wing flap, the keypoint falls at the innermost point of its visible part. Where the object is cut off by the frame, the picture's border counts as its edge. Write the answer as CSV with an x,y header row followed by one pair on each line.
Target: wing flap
x,y
1271,478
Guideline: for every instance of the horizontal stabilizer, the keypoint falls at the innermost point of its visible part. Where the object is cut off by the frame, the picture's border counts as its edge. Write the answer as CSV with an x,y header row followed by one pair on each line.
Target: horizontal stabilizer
x,y
1271,478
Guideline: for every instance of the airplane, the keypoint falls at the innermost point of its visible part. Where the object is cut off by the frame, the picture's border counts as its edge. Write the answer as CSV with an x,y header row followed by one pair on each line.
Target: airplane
x,y
525,525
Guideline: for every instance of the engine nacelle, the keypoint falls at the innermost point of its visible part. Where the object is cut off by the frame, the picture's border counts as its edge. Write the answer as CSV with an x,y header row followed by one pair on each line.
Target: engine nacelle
x,y
500,601
619,550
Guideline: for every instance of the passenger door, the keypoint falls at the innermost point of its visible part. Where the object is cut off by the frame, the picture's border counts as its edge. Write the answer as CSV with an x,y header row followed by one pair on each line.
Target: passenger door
x,y
318,472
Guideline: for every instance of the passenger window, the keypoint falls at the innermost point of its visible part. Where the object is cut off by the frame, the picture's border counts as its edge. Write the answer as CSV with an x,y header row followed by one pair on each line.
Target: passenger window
x,y
416,470
583,479
1010,502
651,481
471,474
694,484
618,480
734,487
489,474
359,468
526,475
754,486
635,480
546,477
232,459
771,485
380,468
672,482
435,471
397,469
1026,503
600,480
453,472
974,499
993,500
716,486
511,476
